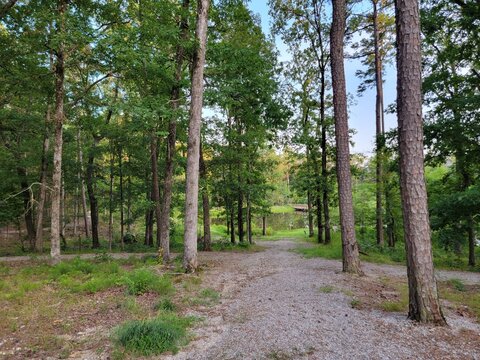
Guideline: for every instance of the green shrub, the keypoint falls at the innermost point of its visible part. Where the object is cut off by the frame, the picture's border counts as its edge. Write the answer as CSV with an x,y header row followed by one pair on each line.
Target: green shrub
x,y
166,305
75,266
96,284
143,280
154,336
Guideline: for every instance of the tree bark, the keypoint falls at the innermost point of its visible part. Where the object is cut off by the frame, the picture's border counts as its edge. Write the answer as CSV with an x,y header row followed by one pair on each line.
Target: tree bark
x,y
379,126
193,149
311,232
148,214
318,199
351,260
43,182
122,213
55,227
240,216
110,198
264,225
249,220
129,203
91,192
207,236
172,135
155,184
232,223
323,145
424,305
82,184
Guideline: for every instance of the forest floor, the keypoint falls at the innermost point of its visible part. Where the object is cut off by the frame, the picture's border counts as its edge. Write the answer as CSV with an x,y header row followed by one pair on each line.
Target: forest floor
x,y
278,305
270,304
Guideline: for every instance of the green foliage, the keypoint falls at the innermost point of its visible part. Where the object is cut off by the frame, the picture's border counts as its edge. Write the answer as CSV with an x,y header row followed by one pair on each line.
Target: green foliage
x,y
282,209
154,336
327,289
144,280
166,304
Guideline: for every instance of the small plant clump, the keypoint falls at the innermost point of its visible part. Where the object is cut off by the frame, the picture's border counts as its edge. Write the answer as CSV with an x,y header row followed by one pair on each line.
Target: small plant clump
x,y
154,336
143,280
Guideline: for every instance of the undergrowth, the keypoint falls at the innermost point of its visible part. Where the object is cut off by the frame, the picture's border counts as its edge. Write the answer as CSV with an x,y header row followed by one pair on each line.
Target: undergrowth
x,y
166,332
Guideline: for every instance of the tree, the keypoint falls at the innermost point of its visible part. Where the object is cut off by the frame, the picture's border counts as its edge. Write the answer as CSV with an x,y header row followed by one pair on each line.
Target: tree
x,y
172,135
375,49
58,137
451,83
424,305
193,151
304,26
351,260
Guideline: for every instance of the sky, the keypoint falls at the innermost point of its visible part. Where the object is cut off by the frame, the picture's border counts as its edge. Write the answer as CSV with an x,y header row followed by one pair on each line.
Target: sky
x,y
362,112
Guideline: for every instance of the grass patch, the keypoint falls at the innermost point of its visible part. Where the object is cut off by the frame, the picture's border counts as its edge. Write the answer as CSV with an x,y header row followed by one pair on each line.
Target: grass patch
x,y
282,209
327,289
154,336
143,280
206,297
293,234
165,305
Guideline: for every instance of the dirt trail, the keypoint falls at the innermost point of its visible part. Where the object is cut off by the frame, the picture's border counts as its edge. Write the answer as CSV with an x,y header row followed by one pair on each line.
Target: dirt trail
x,y
278,305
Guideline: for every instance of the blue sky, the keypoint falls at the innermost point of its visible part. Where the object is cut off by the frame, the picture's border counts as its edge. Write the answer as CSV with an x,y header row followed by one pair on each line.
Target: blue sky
x,y
362,113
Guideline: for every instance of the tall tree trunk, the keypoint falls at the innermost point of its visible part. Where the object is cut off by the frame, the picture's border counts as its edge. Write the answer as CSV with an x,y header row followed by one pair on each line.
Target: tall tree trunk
x,y
249,220
207,236
424,305
122,214
58,147
232,223
155,184
75,213
91,192
129,204
351,260
63,219
379,126
43,182
82,184
264,225
318,198
193,149
110,198
323,145
172,135
240,216
311,232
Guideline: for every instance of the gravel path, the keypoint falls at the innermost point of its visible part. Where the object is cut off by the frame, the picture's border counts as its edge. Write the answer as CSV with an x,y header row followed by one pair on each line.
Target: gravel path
x,y
273,307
